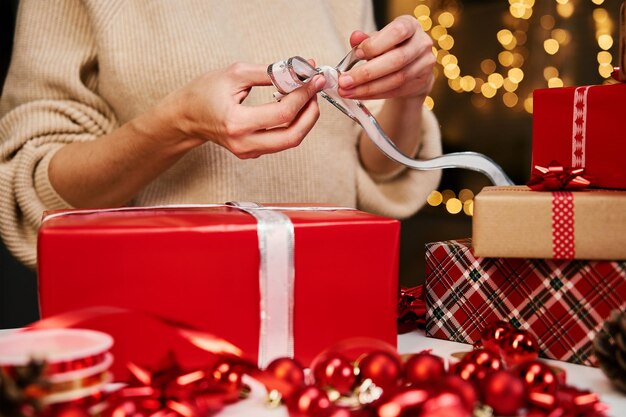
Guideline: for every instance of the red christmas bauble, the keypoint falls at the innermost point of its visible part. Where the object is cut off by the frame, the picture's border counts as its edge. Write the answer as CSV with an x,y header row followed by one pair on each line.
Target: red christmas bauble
x,y
308,401
424,367
422,401
445,403
504,392
383,368
519,346
477,364
466,390
405,402
227,373
336,372
335,411
287,370
70,411
538,378
492,335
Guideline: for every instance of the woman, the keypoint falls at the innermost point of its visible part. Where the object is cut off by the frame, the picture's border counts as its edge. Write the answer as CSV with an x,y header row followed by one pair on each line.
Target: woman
x,y
143,103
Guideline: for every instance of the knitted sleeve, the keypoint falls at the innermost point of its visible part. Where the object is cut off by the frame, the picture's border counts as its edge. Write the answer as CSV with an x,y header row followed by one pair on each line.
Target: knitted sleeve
x,y
49,100
405,192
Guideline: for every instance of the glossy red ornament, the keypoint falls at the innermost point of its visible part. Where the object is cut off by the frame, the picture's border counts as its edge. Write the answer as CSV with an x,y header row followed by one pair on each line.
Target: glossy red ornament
x,y
422,401
464,389
71,411
383,368
424,367
445,403
492,335
335,372
308,401
519,346
225,372
477,364
537,377
287,370
335,411
504,392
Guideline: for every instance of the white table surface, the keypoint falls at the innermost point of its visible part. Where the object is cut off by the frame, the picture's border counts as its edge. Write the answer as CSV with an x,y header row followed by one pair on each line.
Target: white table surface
x,y
583,377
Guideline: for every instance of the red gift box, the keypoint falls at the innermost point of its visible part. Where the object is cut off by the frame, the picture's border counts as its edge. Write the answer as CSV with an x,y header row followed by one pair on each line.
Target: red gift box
x,y
582,127
562,302
202,266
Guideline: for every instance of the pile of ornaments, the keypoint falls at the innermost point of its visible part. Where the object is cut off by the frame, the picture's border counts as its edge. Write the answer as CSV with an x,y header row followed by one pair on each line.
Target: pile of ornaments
x,y
502,377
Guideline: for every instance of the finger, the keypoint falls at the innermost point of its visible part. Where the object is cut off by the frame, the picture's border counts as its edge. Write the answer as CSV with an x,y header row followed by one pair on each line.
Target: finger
x,y
282,138
388,63
270,115
357,37
249,75
417,87
419,68
399,30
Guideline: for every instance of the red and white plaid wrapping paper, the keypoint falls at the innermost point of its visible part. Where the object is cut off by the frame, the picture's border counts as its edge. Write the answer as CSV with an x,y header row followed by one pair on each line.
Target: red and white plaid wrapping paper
x,y
562,302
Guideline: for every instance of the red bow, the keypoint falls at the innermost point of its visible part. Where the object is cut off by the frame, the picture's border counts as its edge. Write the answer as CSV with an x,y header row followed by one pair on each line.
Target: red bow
x,y
411,309
556,177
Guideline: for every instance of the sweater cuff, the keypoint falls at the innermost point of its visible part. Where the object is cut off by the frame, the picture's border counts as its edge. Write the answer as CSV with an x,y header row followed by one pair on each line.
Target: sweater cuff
x,y
50,199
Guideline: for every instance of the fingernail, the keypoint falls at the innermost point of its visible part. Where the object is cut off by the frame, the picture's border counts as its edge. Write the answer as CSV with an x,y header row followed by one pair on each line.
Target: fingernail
x,y
359,53
345,81
320,82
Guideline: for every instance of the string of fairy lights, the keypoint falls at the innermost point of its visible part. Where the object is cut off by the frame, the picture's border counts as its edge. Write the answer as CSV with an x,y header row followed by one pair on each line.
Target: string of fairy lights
x,y
501,76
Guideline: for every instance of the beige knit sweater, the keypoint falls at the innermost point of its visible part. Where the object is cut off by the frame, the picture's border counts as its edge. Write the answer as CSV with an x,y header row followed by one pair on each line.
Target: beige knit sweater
x,y
81,68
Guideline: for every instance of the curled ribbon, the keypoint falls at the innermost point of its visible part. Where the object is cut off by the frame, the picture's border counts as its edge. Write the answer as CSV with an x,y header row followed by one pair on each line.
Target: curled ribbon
x,y
289,74
567,401
556,177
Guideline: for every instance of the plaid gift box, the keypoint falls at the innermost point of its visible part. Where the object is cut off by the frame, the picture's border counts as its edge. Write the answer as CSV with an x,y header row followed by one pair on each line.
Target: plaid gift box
x,y
563,302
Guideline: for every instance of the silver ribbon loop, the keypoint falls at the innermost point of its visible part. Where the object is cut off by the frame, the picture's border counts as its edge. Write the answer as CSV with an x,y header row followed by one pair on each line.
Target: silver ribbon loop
x,y
360,114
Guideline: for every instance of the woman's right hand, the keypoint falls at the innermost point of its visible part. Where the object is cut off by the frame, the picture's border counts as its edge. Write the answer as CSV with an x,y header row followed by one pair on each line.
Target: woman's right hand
x,y
210,108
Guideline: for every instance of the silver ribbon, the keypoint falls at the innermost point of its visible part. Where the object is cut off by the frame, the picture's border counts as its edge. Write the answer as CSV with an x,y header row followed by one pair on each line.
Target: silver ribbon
x,y
289,74
276,281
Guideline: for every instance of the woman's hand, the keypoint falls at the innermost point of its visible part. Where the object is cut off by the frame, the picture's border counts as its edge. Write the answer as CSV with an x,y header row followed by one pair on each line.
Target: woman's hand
x,y
399,63
210,109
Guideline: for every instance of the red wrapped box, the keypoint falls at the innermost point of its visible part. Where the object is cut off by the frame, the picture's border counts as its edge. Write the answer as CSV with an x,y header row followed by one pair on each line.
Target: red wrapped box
x,y
582,127
206,267
562,302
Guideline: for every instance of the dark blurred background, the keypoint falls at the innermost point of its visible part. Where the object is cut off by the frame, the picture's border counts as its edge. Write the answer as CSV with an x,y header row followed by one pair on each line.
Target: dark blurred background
x,y
481,105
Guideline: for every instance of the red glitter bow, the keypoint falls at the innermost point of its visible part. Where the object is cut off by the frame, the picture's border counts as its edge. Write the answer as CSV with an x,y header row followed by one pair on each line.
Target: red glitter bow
x,y
556,177
411,309
568,401
173,392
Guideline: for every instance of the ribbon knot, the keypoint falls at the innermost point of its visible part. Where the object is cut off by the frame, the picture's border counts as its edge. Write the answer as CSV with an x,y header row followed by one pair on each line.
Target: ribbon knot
x,y
556,177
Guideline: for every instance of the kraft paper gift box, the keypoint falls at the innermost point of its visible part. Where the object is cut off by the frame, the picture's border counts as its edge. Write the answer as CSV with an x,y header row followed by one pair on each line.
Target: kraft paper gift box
x,y
226,270
515,222
582,127
562,302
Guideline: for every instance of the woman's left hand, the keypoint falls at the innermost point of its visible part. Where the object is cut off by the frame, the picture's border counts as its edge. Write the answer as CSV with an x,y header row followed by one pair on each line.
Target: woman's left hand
x,y
399,63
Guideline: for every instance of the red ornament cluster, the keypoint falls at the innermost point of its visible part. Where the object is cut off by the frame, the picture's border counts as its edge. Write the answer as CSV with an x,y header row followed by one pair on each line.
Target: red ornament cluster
x,y
503,374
